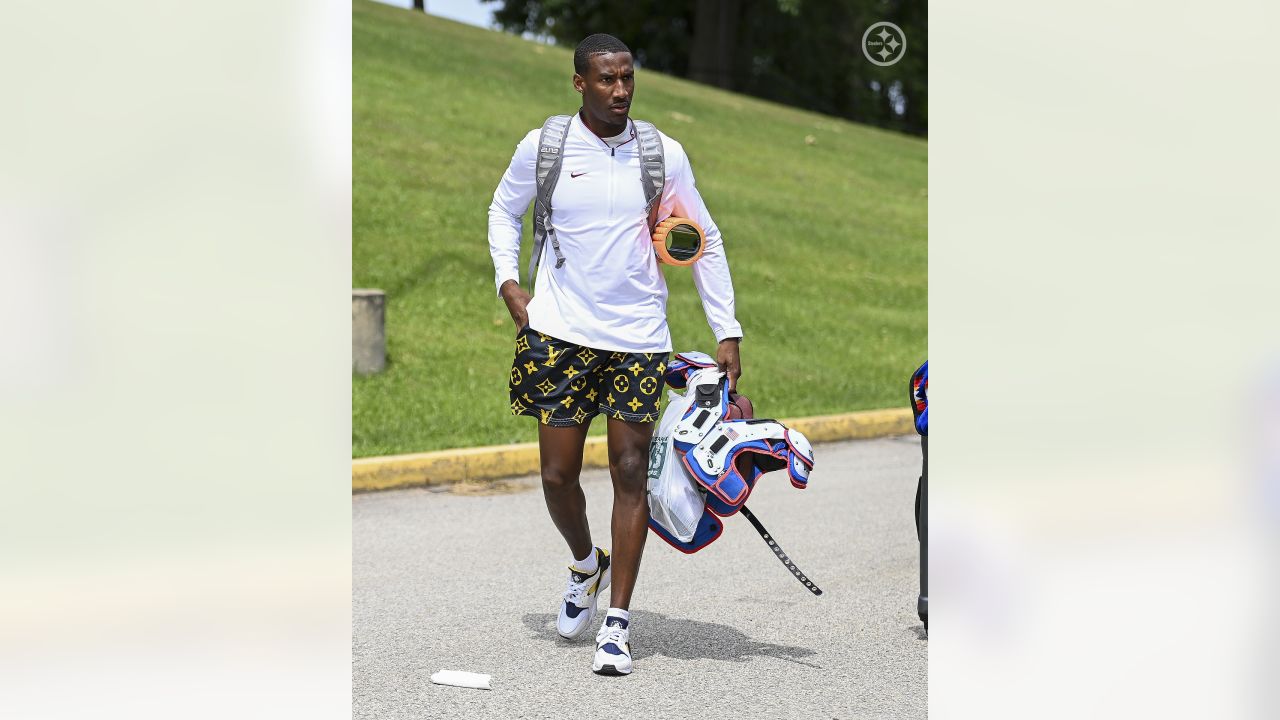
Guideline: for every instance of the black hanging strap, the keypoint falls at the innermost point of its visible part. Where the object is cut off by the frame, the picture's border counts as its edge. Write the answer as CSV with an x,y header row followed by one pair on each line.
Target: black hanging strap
x,y
777,550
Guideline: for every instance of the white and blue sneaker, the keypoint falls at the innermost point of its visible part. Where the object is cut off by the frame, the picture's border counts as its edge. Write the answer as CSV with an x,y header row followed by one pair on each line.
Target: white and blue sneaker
x,y
613,649
579,606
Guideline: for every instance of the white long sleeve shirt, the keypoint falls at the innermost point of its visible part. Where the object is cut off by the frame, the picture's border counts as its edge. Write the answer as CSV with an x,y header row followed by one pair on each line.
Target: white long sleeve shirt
x,y
610,294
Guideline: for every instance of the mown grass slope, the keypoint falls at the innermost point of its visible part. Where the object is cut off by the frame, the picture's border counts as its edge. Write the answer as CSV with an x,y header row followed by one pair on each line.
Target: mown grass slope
x,y
826,239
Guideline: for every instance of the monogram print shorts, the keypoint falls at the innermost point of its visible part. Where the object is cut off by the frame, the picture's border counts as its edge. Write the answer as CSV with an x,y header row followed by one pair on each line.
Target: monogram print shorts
x,y
562,384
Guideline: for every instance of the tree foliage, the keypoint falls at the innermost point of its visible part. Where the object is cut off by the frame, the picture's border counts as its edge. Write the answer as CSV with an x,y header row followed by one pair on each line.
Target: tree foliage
x,y
806,53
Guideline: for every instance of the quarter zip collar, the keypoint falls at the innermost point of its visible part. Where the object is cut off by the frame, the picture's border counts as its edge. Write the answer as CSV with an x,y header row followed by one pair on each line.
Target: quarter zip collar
x,y
596,140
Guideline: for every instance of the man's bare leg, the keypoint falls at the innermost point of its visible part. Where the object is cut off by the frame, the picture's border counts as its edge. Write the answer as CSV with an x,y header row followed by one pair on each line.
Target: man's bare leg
x,y
628,466
560,450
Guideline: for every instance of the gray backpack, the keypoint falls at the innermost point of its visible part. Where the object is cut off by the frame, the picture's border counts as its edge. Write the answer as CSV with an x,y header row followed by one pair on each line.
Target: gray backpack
x,y
653,176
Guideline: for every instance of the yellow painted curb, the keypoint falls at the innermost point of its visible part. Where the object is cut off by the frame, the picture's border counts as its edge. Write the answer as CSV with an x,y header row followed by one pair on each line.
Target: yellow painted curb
x,y
496,461
855,425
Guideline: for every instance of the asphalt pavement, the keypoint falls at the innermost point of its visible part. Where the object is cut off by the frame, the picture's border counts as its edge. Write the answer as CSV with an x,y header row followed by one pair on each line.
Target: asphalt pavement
x,y
469,577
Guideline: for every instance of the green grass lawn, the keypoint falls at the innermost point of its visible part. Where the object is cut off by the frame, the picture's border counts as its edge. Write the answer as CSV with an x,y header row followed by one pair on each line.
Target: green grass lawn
x,y
826,241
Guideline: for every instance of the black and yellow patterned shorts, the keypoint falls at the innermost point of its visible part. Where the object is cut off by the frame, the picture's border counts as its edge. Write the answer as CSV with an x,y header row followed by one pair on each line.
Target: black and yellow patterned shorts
x,y
562,384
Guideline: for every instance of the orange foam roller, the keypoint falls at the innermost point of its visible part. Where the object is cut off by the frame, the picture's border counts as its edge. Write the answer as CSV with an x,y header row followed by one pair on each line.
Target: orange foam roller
x,y
678,241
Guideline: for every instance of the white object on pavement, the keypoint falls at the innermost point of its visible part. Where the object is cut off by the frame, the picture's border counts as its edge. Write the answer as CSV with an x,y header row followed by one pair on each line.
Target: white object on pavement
x,y
458,678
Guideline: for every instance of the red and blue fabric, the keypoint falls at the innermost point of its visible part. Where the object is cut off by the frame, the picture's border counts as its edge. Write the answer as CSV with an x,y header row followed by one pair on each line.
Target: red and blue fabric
x,y
685,364
920,398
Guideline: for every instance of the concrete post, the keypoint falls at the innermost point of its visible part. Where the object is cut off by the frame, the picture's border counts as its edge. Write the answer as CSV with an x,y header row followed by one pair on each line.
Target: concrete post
x,y
368,334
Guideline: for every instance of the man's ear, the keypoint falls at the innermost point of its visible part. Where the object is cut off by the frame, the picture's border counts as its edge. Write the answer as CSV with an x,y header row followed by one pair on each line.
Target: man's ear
x,y
578,82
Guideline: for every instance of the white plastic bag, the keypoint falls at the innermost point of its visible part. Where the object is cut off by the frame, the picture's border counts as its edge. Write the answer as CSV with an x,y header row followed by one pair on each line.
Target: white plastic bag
x,y
675,499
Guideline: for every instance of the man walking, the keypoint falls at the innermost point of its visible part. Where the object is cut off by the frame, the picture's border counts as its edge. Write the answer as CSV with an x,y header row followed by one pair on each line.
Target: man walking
x,y
593,339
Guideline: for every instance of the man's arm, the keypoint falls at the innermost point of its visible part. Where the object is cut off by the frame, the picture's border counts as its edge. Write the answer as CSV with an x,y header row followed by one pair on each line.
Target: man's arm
x,y
711,271
506,222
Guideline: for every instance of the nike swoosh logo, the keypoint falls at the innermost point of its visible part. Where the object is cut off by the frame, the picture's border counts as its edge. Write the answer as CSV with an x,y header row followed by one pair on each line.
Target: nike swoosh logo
x,y
574,174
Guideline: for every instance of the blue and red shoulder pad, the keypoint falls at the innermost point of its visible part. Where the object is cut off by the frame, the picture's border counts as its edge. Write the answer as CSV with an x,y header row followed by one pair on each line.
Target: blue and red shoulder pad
x,y
762,446
709,528
685,364
920,398
729,461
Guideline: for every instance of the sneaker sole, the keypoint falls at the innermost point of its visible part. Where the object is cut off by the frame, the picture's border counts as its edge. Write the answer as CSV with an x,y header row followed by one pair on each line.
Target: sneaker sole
x,y
610,670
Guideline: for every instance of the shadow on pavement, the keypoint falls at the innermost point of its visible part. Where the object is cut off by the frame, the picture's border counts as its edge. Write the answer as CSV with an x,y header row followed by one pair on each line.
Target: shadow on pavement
x,y
683,639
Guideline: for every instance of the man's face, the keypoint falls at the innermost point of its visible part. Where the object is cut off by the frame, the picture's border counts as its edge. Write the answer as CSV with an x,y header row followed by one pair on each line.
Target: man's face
x,y
607,87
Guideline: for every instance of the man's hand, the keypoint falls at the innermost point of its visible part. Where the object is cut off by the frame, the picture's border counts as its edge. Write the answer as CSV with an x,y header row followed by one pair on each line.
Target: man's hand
x,y
728,362
517,301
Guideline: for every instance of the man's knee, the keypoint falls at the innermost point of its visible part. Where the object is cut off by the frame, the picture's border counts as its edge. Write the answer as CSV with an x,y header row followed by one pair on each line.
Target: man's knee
x,y
630,466
558,477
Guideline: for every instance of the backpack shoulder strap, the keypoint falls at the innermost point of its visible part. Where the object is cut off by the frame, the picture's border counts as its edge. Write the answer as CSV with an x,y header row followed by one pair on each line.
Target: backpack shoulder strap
x,y
550,150
653,168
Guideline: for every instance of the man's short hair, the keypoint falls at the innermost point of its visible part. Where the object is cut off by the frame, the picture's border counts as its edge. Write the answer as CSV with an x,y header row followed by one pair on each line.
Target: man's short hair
x,y
598,44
